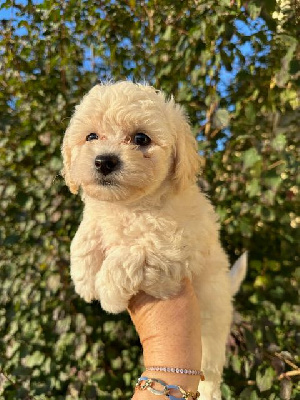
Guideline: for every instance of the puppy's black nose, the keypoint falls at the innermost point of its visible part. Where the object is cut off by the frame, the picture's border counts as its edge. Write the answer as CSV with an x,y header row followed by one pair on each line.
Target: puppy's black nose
x,y
107,163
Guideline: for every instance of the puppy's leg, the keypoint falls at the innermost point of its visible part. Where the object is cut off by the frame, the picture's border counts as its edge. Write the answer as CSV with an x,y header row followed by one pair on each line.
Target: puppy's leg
x,y
86,259
120,277
127,270
164,272
216,310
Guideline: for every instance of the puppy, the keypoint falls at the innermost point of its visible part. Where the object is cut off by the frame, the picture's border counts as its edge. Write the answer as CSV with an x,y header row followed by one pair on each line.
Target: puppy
x,y
146,225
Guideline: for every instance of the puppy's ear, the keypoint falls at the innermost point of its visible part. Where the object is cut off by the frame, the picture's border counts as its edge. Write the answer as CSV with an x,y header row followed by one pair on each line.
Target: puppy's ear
x,y
187,159
66,173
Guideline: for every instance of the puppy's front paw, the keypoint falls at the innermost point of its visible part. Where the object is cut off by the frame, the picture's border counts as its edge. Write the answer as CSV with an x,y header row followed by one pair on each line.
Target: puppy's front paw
x,y
112,298
85,290
120,277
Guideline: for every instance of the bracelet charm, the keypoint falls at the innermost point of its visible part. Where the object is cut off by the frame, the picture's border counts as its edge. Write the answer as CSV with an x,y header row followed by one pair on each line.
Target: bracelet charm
x,y
145,383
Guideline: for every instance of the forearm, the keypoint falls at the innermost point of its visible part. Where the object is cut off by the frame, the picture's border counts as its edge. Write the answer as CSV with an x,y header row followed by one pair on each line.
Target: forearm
x,y
170,335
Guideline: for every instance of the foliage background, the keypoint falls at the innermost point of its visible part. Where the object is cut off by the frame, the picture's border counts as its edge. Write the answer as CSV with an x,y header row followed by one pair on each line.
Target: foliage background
x,y
235,66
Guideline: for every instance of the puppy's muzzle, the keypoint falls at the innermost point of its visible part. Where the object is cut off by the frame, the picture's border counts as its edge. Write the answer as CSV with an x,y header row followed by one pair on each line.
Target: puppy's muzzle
x,y
107,163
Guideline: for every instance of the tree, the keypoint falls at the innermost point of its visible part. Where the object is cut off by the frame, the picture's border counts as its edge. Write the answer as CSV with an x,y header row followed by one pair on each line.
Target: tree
x,y
234,65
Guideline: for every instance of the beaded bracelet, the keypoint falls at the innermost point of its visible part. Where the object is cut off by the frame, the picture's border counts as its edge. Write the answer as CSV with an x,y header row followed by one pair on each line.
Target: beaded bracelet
x,y
177,371
145,383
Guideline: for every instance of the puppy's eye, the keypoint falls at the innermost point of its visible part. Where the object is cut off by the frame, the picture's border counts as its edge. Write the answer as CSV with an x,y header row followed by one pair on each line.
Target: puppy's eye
x,y
141,139
91,136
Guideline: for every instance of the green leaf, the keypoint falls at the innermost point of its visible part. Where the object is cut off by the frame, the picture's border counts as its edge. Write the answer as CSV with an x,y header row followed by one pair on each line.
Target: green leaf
x,y
279,142
254,9
290,96
221,118
265,380
226,392
168,33
236,364
250,157
250,113
261,281
286,388
253,188
273,181
248,394
28,144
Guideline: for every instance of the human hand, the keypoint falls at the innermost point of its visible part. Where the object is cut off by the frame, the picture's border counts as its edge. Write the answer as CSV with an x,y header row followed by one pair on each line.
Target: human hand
x,y
170,333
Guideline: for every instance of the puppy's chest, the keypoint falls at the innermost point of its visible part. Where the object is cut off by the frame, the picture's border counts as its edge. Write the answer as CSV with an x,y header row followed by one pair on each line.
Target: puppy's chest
x,y
144,229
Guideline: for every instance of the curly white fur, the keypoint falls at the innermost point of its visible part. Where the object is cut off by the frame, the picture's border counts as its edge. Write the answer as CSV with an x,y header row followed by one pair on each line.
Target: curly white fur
x,y
149,226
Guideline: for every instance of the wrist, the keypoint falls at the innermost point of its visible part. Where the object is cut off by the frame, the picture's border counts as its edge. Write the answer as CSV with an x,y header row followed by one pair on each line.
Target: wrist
x,y
176,352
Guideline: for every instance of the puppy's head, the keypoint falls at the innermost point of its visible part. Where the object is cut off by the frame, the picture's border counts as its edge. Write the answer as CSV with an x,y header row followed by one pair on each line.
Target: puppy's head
x,y
126,141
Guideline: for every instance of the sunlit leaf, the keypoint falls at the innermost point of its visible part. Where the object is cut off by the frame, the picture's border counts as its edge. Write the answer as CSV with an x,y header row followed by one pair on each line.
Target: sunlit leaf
x,y
265,380
250,157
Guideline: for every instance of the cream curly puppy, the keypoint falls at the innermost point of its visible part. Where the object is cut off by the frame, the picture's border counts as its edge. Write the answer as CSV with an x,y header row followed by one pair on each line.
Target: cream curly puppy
x,y
145,223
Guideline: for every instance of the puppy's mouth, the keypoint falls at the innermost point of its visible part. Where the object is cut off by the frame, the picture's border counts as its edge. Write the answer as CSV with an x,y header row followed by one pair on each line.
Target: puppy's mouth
x,y
106,182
